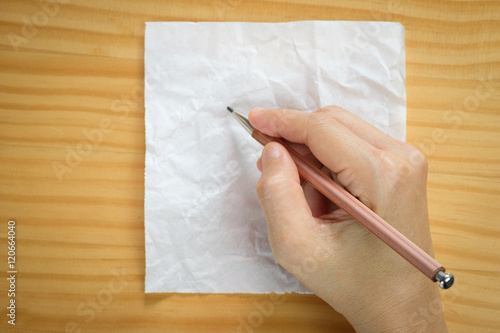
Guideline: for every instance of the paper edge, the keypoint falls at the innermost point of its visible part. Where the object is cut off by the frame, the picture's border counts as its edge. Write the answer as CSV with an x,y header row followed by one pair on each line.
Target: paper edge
x,y
404,119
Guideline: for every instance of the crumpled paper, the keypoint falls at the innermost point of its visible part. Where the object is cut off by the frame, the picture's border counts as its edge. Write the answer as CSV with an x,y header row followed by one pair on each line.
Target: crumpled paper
x,y
204,229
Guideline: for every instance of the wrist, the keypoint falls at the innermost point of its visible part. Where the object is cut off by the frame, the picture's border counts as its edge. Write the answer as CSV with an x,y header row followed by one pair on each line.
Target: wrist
x,y
414,306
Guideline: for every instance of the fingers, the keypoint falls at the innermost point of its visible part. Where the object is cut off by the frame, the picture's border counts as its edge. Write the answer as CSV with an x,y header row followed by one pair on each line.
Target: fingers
x,y
302,150
358,126
282,200
318,203
363,129
333,144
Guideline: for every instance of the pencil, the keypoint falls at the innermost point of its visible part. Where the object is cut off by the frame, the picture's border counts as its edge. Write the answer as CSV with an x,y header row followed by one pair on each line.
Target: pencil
x,y
355,208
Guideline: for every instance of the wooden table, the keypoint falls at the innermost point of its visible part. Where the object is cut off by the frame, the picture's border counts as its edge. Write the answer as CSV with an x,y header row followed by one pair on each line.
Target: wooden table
x,y
71,72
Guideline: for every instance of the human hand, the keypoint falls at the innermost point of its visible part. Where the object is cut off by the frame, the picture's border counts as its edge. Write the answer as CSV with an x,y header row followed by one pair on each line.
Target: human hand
x,y
329,252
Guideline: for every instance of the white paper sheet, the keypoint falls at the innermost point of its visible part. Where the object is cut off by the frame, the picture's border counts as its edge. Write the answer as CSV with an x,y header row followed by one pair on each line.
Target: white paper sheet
x,y
204,229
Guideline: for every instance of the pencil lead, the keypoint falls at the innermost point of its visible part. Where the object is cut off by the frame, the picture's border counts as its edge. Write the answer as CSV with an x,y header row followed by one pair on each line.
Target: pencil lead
x,y
230,109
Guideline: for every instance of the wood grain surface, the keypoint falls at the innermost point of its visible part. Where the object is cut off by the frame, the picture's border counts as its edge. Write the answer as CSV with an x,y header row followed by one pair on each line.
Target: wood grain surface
x,y
72,162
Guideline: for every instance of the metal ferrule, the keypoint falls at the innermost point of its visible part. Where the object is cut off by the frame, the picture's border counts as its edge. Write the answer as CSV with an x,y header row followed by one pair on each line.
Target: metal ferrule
x,y
243,120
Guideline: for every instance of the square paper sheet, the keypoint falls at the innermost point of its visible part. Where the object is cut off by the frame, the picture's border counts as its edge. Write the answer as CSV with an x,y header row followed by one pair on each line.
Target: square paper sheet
x,y
204,228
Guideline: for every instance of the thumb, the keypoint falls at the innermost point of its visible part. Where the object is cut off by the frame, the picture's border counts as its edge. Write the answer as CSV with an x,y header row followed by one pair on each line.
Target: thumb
x,y
289,218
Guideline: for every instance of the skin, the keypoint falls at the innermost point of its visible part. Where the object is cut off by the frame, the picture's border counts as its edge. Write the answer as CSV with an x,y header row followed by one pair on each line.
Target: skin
x,y
329,252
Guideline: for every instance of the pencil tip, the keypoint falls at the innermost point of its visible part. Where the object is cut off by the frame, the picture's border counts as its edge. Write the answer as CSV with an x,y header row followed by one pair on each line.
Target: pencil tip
x,y
230,109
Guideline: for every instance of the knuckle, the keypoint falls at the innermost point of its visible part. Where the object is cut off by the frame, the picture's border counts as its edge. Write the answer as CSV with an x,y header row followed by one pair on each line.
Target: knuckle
x,y
281,119
322,112
269,187
262,187
321,117
418,160
334,108
330,111
402,170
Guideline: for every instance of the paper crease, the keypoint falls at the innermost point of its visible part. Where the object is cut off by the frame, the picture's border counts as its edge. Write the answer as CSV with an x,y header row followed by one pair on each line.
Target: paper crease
x,y
204,229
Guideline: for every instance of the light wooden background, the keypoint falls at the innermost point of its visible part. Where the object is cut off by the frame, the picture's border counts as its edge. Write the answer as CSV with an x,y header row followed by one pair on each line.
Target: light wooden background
x,y
79,65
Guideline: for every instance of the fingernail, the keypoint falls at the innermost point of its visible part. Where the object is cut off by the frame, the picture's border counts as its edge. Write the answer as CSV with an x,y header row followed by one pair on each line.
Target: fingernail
x,y
269,153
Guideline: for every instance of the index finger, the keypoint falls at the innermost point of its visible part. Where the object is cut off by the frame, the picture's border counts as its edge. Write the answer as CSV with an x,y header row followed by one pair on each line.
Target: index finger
x,y
320,132
337,147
